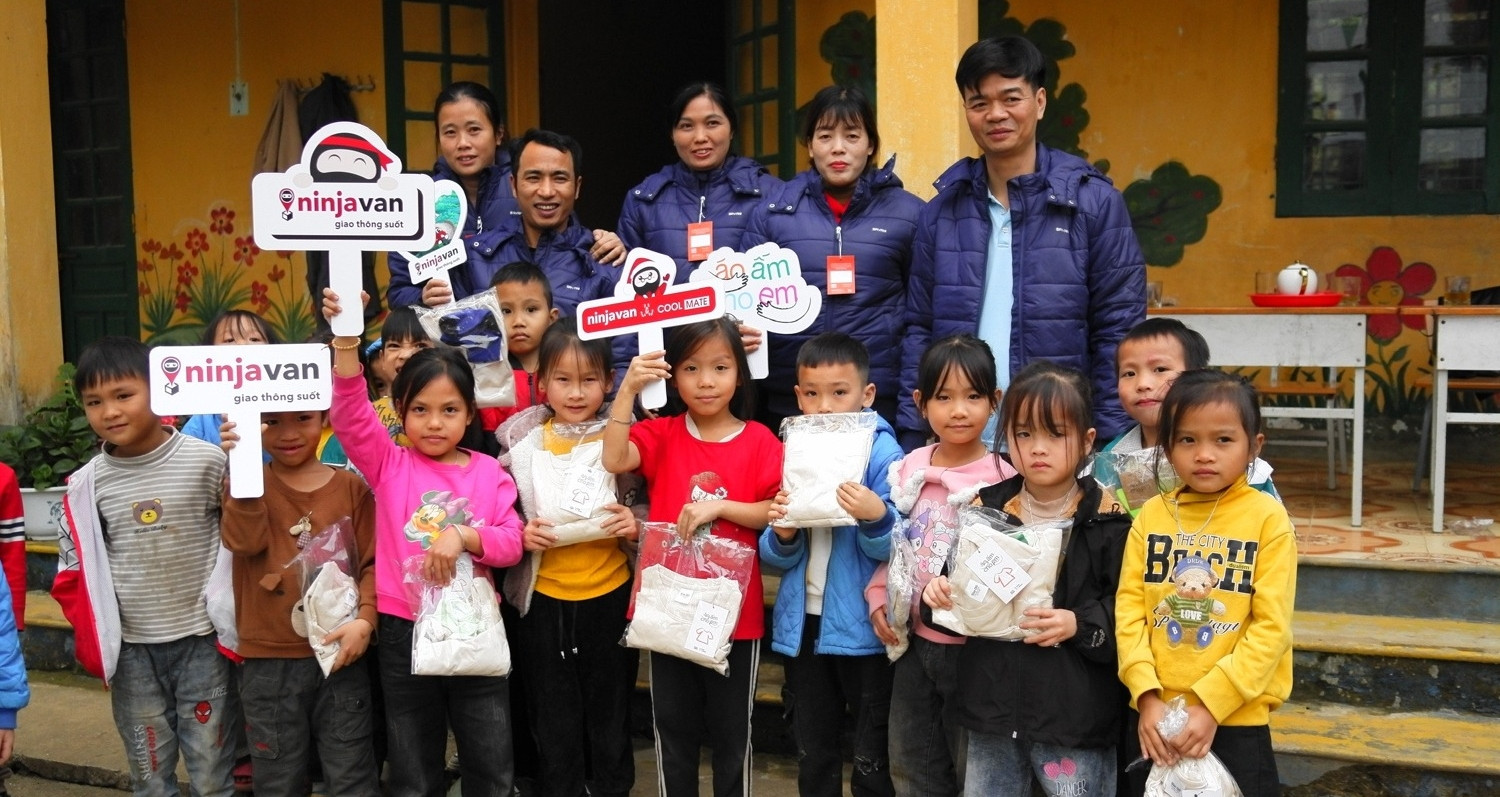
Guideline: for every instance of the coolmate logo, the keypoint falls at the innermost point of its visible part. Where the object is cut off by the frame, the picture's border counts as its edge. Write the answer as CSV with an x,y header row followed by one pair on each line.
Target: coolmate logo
x,y
613,316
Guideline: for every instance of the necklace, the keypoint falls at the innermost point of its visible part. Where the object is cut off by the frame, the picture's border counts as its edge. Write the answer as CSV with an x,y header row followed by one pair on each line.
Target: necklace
x,y
1177,514
1058,507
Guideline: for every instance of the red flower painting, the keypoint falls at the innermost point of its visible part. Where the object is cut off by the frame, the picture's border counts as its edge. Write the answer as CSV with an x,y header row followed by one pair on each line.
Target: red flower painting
x,y
1385,282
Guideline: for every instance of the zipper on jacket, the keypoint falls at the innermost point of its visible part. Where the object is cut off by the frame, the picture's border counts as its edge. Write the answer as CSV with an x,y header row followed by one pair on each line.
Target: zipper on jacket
x,y
702,203
838,235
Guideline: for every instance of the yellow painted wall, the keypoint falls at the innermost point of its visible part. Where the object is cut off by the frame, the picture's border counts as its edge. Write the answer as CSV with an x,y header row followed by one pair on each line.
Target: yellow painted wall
x,y
28,231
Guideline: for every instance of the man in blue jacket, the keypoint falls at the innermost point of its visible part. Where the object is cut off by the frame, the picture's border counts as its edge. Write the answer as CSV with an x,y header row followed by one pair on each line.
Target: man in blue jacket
x,y
1027,247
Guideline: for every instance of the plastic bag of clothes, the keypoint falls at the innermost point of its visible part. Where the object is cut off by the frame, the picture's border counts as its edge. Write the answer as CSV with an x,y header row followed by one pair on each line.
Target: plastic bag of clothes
x,y
998,571
1135,477
687,595
1189,777
474,324
822,452
900,585
458,629
327,564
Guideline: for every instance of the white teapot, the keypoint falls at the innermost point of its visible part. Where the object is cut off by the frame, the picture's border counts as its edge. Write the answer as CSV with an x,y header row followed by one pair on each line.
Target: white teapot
x,y
1297,279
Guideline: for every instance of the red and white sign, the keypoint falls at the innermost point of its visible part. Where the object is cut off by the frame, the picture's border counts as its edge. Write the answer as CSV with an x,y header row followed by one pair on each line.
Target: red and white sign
x,y
645,302
347,196
241,382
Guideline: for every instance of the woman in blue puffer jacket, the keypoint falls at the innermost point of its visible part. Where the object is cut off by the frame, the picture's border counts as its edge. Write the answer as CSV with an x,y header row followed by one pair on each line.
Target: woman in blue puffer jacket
x,y
707,184
842,206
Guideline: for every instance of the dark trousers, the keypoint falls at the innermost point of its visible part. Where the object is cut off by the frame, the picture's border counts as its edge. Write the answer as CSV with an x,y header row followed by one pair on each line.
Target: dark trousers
x,y
688,699
579,700
819,687
290,707
1247,754
420,709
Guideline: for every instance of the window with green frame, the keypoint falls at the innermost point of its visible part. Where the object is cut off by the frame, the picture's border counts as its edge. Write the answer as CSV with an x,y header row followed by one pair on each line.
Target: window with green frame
x,y
429,44
1388,107
762,69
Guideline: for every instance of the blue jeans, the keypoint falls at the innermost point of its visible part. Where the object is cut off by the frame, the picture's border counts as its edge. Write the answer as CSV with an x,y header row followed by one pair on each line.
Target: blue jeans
x,y
289,707
1003,766
172,695
927,743
419,710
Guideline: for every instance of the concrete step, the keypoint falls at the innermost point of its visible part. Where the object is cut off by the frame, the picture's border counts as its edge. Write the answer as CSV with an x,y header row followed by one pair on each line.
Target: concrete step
x,y
41,564
1326,736
1397,663
1400,589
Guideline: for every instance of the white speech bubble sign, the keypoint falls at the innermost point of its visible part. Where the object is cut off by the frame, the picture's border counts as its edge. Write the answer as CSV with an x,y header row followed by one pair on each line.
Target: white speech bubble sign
x,y
347,196
646,302
764,288
448,212
241,382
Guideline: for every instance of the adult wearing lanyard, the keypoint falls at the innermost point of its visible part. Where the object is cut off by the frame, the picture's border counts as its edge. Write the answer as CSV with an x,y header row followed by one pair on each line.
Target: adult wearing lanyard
x,y
471,152
703,201
852,225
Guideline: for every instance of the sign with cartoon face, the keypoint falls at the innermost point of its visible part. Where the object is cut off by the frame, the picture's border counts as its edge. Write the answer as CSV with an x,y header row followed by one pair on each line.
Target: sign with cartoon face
x,y
241,382
448,211
764,288
645,302
347,196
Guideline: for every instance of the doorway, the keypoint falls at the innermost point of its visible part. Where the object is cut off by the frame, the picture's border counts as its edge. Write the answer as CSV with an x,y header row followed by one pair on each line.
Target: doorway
x,y
608,70
91,166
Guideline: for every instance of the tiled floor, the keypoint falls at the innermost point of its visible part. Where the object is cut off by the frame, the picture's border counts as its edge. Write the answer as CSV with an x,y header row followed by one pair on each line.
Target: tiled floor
x,y
1397,520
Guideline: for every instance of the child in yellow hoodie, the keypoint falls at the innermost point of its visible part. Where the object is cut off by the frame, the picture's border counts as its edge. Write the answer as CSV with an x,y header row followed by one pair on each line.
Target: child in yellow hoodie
x,y
1204,608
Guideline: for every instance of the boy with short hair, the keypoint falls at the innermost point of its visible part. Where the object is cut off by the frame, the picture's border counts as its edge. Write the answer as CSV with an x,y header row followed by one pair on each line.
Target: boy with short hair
x,y
289,705
139,537
820,622
525,297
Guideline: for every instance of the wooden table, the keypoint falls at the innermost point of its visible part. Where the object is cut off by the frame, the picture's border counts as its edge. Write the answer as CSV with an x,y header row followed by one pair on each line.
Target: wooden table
x,y
1315,337
1464,339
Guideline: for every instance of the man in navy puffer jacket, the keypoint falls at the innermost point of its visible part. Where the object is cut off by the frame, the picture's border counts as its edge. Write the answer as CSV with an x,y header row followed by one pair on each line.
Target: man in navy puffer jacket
x,y
1028,247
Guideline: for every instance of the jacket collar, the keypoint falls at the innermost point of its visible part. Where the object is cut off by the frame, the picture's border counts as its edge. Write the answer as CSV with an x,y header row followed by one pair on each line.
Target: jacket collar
x,y
1058,177
809,185
742,174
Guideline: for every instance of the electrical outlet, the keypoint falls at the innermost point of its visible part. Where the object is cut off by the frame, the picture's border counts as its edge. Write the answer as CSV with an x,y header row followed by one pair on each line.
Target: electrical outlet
x,y
239,98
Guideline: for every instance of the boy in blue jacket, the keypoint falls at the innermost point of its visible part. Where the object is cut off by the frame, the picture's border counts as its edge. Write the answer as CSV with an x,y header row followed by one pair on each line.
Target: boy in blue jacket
x,y
820,622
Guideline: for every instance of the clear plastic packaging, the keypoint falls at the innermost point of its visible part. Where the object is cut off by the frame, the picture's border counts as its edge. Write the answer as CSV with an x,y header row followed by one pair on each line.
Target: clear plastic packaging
x,y
687,595
474,324
327,566
998,571
900,585
573,489
458,629
1189,777
822,452
1136,477
218,599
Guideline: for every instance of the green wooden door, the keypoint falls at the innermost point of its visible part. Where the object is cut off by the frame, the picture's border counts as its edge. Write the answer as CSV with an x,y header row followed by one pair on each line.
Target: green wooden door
x,y
91,170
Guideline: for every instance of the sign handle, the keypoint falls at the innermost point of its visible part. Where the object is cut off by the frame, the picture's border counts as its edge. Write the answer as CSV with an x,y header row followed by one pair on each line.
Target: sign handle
x,y
246,477
654,396
346,278
760,365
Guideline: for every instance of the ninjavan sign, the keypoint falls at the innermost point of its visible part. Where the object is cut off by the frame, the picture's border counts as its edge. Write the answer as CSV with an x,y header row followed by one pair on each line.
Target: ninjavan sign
x,y
347,195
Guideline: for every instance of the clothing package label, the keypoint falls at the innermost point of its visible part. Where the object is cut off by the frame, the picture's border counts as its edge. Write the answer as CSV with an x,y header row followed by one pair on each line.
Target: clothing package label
x,y
998,571
581,489
709,623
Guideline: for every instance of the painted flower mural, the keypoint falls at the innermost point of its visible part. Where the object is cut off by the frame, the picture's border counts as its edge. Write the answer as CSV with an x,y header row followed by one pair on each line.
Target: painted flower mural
x,y
1385,282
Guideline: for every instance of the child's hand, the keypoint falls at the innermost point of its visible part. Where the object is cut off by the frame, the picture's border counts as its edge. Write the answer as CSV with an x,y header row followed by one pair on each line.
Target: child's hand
x,y
645,369
436,292
7,744
621,523
883,628
777,512
1198,737
537,535
1152,745
750,338
608,248
695,514
860,501
938,593
331,305
353,638
228,437
438,567
1052,626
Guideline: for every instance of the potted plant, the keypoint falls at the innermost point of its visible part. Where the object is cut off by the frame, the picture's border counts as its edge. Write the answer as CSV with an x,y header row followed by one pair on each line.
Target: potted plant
x,y
50,443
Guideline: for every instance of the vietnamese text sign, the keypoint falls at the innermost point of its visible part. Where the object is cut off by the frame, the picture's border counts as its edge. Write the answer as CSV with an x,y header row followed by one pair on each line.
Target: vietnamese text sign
x,y
764,289
241,382
448,212
347,195
645,302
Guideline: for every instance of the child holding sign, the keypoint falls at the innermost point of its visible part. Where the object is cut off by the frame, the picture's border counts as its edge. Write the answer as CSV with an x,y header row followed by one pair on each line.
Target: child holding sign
x,y
1048,708
135,600
423,494
706,469
289,706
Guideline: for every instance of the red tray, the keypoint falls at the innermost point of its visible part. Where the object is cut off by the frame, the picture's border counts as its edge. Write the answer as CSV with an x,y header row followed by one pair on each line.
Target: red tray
x,y
1327,299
